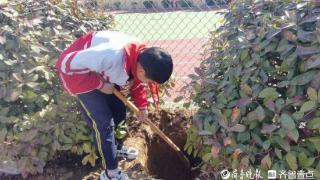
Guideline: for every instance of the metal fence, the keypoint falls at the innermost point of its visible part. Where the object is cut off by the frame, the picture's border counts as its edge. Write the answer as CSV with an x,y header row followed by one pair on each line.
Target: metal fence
x,y
181,27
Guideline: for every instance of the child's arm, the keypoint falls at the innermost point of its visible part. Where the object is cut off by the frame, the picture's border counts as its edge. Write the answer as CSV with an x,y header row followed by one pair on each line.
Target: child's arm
x,y
107,88
139,95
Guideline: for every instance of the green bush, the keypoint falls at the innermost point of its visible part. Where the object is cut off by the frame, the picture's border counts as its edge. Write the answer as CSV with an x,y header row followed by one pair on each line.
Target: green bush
x,y
37,118
166,4
259,92
216,2
134,5
117,5
185,4
148,4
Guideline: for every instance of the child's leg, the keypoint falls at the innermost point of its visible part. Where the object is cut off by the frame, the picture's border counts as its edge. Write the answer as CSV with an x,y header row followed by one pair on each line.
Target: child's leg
x,y
98,111
89,122
118,110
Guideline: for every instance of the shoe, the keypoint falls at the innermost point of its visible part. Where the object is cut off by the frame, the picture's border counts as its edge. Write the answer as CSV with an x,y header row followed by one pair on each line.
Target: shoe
x,y
118,176
127,153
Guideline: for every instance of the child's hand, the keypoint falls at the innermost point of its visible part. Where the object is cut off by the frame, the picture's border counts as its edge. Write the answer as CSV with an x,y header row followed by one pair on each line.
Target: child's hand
x,y
107,88
143,115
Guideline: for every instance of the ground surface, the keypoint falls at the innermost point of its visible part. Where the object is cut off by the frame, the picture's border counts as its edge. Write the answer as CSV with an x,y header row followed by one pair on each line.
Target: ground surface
x,y
168,25
156,159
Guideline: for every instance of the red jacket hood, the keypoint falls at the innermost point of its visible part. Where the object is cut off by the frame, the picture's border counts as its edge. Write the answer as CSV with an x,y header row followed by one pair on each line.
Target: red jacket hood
x,y
132,51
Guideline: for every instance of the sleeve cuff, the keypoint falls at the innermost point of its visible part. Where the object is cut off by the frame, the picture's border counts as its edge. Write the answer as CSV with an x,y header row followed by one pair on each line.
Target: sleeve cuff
x,y
100,85
143,108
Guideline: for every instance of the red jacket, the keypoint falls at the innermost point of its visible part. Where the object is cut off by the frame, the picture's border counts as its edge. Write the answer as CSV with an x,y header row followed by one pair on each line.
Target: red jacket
x,y
104,56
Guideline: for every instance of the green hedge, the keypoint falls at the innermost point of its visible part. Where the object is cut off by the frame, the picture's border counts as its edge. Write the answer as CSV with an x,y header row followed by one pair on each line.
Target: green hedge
x,y
37,118
259,92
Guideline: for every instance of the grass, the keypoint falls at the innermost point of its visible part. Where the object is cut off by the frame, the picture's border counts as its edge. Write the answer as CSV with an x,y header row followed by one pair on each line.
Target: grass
x,y
168,25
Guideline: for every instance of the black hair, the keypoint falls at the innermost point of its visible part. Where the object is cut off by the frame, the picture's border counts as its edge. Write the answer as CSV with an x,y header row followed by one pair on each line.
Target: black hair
x,y
157,63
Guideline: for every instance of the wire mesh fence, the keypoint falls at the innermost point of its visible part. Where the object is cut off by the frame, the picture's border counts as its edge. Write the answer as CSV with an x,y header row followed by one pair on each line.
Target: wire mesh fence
x,y
181,27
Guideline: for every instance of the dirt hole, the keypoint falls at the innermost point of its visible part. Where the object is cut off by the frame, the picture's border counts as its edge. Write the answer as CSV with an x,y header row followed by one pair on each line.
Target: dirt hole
x,y
164,163
157,157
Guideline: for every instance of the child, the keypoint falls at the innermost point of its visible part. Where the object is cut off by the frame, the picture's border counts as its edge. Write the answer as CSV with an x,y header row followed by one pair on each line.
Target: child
x,y
96,62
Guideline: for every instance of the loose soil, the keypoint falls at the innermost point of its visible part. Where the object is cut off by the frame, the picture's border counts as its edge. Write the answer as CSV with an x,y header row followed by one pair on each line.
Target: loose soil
x,y
156,159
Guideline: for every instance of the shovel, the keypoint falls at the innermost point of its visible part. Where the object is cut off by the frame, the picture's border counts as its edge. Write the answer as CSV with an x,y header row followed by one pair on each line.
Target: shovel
x,y
154,128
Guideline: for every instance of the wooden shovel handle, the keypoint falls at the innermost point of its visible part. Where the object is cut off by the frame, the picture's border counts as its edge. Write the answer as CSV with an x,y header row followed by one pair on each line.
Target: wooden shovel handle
x,y
153,127
125,101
